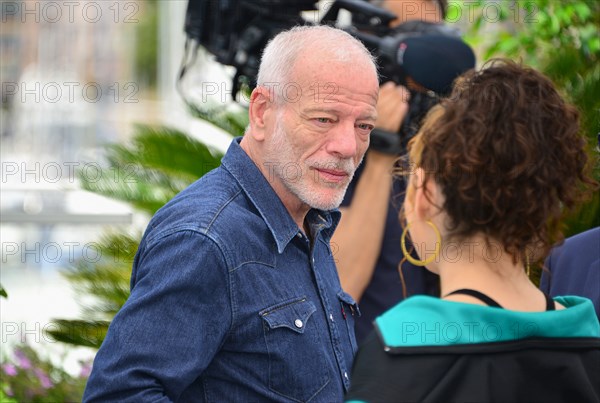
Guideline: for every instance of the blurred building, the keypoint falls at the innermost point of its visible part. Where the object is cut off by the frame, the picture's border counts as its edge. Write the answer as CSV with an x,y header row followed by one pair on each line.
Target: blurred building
x,y
69,87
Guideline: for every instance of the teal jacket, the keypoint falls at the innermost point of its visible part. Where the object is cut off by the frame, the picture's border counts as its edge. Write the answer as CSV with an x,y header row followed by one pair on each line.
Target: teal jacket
x,y
431,350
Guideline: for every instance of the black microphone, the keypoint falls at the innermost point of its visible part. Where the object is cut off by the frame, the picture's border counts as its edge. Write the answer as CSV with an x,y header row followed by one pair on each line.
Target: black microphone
x,y
432,61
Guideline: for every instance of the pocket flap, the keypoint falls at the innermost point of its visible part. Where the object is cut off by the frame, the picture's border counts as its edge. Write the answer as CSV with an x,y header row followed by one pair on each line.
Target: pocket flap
x,y
292,314
349,301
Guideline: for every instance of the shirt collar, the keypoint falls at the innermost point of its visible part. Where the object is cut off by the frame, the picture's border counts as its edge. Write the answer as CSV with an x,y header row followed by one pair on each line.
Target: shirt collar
x,y
269,205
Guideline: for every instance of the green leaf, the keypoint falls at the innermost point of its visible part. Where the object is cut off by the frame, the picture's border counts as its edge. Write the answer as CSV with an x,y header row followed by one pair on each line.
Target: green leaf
x,y
582,10
594,45
454,13
554,25
78,332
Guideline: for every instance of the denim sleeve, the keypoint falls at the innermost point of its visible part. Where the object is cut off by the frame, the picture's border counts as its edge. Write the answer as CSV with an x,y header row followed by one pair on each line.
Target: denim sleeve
x,y
170,328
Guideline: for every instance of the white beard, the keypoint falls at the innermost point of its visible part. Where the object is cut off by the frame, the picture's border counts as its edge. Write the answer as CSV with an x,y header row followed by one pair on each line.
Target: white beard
x,y
299,179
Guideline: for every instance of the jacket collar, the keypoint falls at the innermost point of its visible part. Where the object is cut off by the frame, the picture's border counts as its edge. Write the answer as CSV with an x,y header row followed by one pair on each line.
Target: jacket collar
x,y
427,321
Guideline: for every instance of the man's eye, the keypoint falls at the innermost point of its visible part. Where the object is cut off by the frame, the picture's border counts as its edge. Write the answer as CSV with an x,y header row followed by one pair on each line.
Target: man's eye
x,y
323,120
365,126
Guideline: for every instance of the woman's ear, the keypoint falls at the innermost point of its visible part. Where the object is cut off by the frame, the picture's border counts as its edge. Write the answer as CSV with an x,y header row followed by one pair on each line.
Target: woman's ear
x,y
427,195
259,112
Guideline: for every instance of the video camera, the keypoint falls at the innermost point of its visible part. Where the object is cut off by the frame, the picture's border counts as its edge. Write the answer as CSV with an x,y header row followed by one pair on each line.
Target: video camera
x,y
424,57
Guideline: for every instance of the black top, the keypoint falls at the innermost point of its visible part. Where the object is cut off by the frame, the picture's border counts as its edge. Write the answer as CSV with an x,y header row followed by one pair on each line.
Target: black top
x,y
414,356
491,302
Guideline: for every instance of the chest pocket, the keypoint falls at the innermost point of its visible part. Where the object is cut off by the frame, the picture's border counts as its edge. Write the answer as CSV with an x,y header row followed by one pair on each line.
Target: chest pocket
x,y
297,368
349,311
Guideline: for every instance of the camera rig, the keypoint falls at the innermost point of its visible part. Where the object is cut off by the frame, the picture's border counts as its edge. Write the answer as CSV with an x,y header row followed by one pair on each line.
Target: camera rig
x,y
424,57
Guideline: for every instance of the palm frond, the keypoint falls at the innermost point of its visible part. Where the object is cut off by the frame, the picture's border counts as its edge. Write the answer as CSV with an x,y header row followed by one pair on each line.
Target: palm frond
x,y
153,168
169,151
78,332
103,288
233,122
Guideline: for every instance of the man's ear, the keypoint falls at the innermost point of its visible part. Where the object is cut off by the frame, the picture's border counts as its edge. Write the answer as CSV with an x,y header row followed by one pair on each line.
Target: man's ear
x,y
260,112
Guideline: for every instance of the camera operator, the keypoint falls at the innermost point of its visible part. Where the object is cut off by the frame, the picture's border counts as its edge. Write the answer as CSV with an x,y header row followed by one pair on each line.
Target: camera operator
x,y
367,241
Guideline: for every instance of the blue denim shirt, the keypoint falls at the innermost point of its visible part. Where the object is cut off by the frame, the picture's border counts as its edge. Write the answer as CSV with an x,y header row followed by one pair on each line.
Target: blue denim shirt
x,y
230,302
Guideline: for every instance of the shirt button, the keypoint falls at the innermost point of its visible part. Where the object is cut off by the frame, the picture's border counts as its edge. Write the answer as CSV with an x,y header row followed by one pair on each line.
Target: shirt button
x,y
298,323
299,235
346,375
331,317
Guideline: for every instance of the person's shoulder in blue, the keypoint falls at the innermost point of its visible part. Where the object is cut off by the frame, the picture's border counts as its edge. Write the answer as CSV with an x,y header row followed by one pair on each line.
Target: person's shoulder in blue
x,y
574,268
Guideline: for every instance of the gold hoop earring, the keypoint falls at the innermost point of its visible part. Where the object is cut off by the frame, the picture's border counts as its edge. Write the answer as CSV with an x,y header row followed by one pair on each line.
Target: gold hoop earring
x,y
418,262
527,267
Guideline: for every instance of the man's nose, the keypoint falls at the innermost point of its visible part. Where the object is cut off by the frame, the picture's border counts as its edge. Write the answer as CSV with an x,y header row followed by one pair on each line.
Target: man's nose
x,y
342,141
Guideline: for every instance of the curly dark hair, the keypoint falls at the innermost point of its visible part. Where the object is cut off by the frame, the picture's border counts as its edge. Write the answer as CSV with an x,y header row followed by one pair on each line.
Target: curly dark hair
x,y
443,8
506,151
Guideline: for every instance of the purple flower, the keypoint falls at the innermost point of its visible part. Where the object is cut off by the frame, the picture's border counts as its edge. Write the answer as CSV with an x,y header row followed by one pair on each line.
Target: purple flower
x,y
86,369
9,369
44,379
22,359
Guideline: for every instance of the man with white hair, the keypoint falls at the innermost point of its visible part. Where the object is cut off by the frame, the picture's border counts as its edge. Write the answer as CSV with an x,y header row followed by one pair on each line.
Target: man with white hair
x,y
234,292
